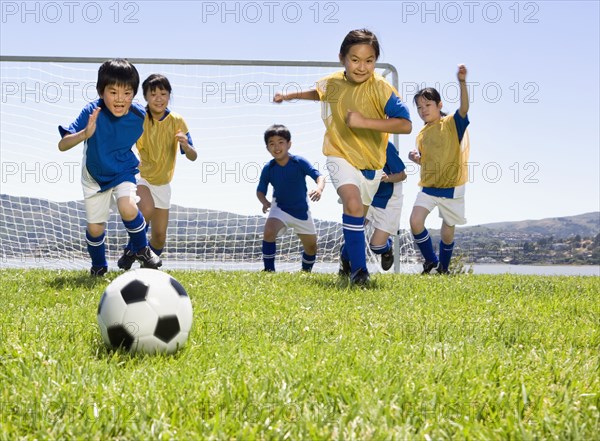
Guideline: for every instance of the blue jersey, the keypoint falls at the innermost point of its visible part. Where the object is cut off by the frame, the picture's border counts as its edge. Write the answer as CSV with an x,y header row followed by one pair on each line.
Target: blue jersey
x,y
289,184
108,155
393,165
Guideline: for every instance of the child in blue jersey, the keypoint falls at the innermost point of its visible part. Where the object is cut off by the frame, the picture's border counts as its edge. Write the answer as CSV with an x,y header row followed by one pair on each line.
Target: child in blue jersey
x,y
109,127
360,109
386,208
289,207
443,154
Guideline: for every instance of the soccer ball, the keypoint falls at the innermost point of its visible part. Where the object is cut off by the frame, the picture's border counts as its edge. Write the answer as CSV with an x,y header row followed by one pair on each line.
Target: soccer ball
x,y
145,310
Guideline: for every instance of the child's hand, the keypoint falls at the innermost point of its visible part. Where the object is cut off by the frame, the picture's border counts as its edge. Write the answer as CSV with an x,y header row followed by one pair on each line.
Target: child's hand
x,y
462,72
354,120
315,195
414,156
385,177
181,138
278,98
91,125
266,206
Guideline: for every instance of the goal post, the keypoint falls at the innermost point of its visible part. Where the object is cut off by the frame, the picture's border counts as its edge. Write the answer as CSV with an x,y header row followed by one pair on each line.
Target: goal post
x,y
215,221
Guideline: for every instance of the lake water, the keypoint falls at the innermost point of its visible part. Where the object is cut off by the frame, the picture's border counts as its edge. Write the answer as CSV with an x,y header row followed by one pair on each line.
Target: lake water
x,y
548,270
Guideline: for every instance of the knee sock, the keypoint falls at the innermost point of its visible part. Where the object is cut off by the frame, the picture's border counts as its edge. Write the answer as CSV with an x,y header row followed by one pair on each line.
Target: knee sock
x,y
445,254
136,228
381,249
308,261
97,249
268,250
354,241
423,241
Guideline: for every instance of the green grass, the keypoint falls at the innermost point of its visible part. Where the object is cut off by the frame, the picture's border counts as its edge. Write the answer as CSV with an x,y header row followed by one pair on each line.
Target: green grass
x,y
303,356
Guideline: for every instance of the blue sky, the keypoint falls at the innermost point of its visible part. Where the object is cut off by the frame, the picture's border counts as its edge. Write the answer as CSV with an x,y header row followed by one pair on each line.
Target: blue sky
x,y
533,69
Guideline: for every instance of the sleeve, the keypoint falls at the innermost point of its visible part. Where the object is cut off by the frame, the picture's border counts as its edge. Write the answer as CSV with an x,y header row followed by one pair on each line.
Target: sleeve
x,y
461,124
394,163
308,168
395,108
181,125
80,123
263,182
322,88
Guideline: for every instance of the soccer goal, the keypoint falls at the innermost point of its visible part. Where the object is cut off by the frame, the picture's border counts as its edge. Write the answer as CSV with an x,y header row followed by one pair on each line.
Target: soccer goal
x,y
216,220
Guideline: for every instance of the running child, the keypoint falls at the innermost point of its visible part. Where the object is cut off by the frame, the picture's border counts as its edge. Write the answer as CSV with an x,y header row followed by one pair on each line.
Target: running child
x,y
360,109
289,206
165,133
443,154
109,127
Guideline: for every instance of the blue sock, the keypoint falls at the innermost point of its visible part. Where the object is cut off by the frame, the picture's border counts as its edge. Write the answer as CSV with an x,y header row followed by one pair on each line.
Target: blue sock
x,y
158,252
308,261
380,249
423,241
97,249
137,232
354,241
445,254
268,250
344,253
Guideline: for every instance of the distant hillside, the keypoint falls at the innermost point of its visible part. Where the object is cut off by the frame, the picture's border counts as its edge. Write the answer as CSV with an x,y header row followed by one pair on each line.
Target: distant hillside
x,y
585,225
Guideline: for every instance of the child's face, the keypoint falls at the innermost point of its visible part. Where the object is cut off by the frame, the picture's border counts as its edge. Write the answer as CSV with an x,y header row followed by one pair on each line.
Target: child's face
x,y
429,110
117,99
278,147
359,63
157,99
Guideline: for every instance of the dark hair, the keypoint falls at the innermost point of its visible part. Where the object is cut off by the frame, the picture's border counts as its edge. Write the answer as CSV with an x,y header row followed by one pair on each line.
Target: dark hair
x,y
153,82
277,130
359,36
430,94
118,71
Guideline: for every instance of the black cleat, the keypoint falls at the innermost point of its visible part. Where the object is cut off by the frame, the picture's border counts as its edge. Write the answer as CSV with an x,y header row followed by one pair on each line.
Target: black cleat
x,y
360,277
387,259
429,266
441,270
344,267
98,271
147,258
126,260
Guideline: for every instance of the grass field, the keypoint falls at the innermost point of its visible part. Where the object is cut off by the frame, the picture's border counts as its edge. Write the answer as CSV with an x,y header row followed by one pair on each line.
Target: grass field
x,y
303,356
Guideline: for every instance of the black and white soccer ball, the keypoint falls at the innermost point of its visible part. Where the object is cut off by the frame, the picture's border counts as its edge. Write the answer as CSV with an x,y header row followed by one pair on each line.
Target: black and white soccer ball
x,y
145,310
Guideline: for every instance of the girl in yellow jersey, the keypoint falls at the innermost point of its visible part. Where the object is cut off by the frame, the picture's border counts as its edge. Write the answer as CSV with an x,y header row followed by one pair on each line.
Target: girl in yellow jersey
x,y
165,133
443,154
360,109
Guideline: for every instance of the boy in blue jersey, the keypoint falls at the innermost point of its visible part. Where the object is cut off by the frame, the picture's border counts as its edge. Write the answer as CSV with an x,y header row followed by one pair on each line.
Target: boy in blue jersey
x,y
109,127
289,208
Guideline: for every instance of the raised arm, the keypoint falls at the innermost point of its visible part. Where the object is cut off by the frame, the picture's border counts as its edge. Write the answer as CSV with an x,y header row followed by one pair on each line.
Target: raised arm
x,y
303,95
72,139
464,94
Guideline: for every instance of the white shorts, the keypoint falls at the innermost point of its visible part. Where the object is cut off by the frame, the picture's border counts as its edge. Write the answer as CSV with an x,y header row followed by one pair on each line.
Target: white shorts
x,y
300,226
386,219
452,211
341,172
161,194
98,205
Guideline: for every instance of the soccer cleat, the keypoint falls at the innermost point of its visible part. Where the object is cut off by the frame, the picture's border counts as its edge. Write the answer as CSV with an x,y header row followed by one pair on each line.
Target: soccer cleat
x,y
429,266
360,277
441,270
148,259
344,266
126,260
387,259
98,271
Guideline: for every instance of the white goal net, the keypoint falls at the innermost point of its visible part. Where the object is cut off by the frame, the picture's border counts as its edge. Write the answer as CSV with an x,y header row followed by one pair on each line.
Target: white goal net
x,y
216,219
